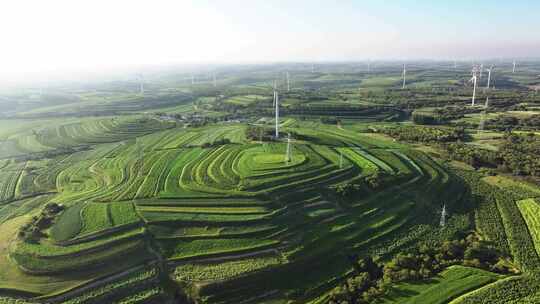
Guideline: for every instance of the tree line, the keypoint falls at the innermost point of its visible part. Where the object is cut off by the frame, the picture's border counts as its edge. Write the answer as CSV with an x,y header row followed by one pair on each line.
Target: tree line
x,y
372,279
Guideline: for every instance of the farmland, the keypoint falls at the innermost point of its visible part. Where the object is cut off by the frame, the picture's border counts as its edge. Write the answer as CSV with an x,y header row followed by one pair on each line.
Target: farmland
x,y
185,195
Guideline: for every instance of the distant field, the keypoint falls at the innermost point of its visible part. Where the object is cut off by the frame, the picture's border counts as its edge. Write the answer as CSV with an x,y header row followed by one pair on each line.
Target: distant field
x,y
448,285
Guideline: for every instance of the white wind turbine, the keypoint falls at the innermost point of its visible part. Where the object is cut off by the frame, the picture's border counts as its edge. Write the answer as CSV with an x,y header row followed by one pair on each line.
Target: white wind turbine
x,y
404,76
141,85
482,121
276,105
288,82
489,76
474,80
442,222
288,155
481,70
514,67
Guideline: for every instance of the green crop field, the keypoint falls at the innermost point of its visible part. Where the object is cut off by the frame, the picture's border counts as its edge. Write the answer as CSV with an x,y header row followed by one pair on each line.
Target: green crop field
x,y
450,284
183,193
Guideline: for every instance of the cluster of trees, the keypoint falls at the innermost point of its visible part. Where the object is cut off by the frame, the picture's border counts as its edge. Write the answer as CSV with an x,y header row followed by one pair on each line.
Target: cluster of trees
x,y
259,133
335,110
441,115
425,134
32,232
216,143
348,189
427,118
373,180
372,279
330,120
518,154
52,153
472,155
508,122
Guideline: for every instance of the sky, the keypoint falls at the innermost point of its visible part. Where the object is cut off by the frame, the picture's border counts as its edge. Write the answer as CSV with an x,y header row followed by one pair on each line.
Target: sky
x,y
48,37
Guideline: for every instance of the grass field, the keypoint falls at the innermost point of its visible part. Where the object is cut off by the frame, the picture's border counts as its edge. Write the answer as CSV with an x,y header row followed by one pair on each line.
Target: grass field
x,y
108,195
447,286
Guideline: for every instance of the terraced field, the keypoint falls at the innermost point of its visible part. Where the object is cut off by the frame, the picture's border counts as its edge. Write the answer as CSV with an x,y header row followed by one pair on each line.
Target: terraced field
x,y
153,210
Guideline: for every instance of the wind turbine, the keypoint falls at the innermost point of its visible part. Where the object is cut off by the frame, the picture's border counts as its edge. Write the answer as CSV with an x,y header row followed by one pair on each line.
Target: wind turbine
x,y
514,67
455,64
369,66
482,122
276,104
489,76
288,155
192,79
141,85
474,79
288,82
140,153
481,70
312,68
404,76
442,222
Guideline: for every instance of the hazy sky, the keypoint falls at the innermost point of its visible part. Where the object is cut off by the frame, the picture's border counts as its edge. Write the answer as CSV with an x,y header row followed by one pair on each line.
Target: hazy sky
x,y
55,35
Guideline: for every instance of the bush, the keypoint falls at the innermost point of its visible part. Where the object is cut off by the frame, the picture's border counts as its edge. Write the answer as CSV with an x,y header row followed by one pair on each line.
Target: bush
x,y
33,231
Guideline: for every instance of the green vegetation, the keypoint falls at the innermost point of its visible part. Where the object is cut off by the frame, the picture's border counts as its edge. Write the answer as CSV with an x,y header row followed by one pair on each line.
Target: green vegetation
x,y
222,270
530,210
185,192
448,285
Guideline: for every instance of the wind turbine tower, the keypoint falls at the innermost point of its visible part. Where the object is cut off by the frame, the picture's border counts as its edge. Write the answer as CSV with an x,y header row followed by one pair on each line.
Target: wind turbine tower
x,y
474,79
276,104
369,66
140,153
514,67
288,156
481,70
489,76
141,85
404,76
288,82
443,216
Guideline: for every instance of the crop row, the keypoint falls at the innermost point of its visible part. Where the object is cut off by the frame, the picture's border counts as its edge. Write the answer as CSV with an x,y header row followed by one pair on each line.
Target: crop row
x,y
223,270
189,249
519,239
114,289
530,211
509,290
8,180
84,260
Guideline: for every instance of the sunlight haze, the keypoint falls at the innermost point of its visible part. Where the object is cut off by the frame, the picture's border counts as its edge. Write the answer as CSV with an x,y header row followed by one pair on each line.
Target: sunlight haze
x,y
59,35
